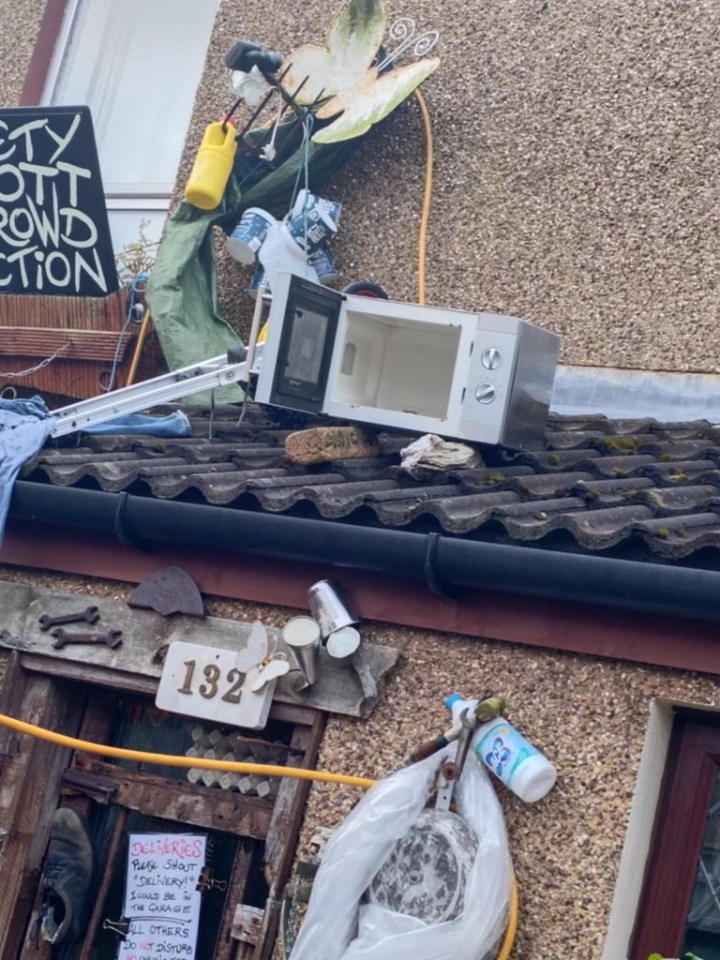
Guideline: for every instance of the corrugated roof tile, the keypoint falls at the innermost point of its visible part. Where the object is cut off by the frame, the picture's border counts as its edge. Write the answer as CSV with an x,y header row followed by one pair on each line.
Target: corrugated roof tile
x,y
604,482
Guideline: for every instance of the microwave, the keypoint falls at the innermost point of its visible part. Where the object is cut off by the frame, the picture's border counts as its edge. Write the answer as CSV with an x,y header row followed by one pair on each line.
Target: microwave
x,y
480,377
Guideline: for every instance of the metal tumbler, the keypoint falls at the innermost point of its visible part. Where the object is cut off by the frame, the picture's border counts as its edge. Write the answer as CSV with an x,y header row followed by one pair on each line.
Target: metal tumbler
x,y
329,607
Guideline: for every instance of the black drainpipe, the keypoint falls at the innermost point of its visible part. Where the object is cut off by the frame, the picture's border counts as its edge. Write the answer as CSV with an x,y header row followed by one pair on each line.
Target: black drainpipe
x,y
443,562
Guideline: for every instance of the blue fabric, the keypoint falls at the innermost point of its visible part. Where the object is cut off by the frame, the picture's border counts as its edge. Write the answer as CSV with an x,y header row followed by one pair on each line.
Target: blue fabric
x,y
26,424
174,425
24,428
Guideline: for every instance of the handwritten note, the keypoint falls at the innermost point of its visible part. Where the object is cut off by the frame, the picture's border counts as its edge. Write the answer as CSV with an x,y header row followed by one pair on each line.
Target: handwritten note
x,y
161,901
54,234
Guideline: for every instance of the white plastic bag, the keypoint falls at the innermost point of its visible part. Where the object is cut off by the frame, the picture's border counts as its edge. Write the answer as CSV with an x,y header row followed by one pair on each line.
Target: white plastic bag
x,y
339,927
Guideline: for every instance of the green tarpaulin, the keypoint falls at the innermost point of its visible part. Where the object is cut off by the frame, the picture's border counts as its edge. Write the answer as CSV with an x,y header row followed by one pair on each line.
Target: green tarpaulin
x,y
182,291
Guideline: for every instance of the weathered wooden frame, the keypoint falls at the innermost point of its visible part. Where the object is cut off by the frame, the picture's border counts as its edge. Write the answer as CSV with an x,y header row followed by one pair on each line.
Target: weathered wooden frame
x,y
34,774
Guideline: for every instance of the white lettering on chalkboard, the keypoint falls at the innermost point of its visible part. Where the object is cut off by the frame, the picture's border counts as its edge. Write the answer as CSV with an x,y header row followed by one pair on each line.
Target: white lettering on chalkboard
x,y
48,240
161,899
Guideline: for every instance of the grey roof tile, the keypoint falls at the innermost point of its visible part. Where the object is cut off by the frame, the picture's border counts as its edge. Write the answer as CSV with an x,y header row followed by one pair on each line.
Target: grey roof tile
x,y
401,506
680,500
600,529
679,537
602,482
622,465
340,499
216,485
611,493
465,513
531,521
680,471
542,485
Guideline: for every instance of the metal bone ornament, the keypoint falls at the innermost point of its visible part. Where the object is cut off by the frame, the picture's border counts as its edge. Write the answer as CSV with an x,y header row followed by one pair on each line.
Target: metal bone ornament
x,y
257,662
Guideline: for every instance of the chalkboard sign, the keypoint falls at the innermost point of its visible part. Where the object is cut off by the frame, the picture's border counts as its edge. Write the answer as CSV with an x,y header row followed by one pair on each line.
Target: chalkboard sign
x,y
162,901
54,233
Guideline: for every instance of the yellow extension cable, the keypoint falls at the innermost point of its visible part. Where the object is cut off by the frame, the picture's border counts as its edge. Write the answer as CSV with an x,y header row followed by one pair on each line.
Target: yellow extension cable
x,y
427,195
169,760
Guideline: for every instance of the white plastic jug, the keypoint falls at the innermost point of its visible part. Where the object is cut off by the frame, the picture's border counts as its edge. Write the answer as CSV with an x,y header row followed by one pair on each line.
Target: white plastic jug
x,y
508,754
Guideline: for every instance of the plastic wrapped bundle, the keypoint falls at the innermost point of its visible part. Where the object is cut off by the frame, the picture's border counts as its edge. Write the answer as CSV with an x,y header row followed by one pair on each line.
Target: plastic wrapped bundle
x,y
463,918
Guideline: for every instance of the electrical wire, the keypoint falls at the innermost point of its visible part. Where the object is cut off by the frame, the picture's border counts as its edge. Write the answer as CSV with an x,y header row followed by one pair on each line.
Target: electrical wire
x,y
514,913
138,286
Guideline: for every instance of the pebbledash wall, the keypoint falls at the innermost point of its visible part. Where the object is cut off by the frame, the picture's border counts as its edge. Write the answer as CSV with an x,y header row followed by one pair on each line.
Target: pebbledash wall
x,y
589,715
575,186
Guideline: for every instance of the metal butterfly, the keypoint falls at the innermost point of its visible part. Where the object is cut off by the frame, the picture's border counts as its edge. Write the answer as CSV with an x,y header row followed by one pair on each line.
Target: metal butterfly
x,y
257,662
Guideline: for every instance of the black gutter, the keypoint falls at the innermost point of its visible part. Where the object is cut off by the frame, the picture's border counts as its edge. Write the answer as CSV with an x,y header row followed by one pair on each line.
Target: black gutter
x,y
441,561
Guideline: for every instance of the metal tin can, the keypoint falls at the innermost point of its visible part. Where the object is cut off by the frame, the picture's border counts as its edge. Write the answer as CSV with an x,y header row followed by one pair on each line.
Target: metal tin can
x,y
343,643
302,637
329,607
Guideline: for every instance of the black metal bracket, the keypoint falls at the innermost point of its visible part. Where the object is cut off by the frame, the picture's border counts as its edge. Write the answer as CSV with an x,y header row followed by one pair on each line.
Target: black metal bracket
x,y
120,524
433,578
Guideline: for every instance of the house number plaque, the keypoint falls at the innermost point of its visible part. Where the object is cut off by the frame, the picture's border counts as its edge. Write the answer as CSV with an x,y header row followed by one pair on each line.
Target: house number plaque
x,y
213,684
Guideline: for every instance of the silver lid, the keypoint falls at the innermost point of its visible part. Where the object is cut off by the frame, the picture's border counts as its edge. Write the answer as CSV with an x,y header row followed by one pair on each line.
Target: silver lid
x,y
343,642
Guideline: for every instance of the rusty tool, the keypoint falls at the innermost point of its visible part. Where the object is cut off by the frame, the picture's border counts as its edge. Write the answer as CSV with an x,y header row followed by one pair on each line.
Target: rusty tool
x,y
88,615
111,638
450,770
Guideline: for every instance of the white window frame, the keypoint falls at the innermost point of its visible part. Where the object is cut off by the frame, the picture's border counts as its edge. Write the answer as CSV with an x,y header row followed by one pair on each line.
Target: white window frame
x,y
128,206
638,839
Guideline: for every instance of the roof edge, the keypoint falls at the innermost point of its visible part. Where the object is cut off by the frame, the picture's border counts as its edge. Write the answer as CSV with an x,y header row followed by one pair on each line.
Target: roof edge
x,y
444,563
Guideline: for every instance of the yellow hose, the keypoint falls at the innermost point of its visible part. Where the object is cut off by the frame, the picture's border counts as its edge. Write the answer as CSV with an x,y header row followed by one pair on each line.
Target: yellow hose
x,y
513,918
169,760
427,195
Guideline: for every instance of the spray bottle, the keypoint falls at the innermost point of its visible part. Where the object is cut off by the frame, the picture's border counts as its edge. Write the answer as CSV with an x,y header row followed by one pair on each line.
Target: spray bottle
x,y
506,752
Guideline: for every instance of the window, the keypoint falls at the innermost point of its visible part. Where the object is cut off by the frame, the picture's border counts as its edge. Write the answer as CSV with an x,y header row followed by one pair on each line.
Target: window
x,y
679,907
663,901
137,65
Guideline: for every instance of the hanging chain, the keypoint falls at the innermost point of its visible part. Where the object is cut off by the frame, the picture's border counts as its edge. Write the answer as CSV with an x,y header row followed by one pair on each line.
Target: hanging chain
x,y
39,366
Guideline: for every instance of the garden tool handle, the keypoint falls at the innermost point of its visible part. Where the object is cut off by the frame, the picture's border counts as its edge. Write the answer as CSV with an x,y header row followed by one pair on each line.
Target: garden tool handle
x,y
431,746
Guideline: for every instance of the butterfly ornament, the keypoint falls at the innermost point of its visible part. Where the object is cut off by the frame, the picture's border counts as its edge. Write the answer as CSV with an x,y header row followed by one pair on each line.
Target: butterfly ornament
x,y
261,665
344,78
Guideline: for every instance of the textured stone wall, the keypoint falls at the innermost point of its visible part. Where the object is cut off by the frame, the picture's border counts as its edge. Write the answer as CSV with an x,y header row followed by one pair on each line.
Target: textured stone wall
x,y
20,21
575,177
575,184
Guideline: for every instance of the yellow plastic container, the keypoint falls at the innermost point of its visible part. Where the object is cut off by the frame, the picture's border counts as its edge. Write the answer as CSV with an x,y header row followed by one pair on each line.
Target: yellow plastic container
x,y
213,163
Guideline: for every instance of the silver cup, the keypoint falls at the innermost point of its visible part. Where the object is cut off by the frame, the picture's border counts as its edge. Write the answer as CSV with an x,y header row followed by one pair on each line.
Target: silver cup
x,y
343,643
302,638
329,607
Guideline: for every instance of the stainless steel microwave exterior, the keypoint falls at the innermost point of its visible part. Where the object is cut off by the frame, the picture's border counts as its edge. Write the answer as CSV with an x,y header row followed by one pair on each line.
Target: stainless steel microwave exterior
x,y
481,377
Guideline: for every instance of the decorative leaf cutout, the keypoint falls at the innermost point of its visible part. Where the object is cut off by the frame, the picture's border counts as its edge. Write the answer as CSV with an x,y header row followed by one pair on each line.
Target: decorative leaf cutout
x,y
358,96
